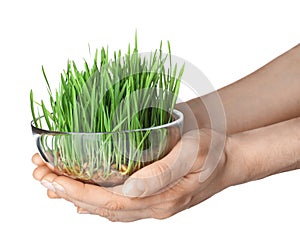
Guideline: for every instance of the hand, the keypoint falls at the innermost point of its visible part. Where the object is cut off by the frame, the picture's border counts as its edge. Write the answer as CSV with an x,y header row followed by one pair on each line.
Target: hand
x,y
182,179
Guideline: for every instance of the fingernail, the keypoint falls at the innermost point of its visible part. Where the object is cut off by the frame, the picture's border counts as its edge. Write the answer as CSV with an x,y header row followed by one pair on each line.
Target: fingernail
x,y
134,188
48,185
83,211
58,187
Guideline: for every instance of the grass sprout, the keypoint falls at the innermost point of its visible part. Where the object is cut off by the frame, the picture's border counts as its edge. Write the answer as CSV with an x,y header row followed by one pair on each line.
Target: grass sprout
x,y
93,107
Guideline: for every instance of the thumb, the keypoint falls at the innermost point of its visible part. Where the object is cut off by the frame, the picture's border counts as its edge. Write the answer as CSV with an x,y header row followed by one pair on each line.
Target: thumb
x,y
158,175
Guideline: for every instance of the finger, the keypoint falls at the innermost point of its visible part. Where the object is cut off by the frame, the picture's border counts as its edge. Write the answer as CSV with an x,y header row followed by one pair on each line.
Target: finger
x,y
37,160
77,191
158,212
96,196
161,207
156,206
81,210
40,172
52,194
157,176
114,215
121,216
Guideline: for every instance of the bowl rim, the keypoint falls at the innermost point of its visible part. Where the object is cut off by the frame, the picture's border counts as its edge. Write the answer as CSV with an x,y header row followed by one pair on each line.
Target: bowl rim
x,y
178,120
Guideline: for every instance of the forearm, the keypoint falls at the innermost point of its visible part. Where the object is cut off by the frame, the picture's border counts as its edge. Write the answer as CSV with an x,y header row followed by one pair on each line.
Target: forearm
x,y
268,95
265,151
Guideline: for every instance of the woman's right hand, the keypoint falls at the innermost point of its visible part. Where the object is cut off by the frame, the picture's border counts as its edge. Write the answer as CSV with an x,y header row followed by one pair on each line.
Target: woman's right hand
x,y
185,177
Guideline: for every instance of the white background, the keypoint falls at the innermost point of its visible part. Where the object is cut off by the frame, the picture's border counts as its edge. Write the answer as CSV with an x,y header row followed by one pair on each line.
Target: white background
x,y
225,39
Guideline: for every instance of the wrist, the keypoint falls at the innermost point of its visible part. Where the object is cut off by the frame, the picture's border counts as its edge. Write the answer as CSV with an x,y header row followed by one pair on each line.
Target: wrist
x,y
236,162
262,152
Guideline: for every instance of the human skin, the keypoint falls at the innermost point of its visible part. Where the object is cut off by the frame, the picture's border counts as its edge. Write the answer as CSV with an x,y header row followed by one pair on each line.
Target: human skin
x,y
266,96
271,145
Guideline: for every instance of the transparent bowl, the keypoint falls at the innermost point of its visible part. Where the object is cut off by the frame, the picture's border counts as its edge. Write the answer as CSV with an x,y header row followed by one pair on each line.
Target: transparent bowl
x,y
106,159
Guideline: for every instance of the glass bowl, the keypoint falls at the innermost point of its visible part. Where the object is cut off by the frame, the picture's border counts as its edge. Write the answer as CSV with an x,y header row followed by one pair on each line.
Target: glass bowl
x,y
106,159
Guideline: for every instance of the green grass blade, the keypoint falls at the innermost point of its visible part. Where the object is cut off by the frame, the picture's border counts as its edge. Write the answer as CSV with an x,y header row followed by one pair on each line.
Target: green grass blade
x,y
47,116
47,82
32,109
